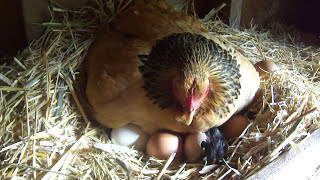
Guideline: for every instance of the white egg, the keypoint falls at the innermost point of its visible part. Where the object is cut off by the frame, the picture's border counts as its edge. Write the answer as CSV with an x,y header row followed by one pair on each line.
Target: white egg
x,y
130,135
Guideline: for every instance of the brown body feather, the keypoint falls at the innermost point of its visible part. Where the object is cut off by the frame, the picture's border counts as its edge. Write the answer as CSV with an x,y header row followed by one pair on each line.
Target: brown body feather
x,y
120,93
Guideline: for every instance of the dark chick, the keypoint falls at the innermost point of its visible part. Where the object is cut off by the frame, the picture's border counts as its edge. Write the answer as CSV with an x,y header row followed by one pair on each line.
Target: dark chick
x,y
160,69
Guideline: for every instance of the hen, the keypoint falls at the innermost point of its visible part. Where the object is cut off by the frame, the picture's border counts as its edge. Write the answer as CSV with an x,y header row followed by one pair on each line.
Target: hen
x,y
160,69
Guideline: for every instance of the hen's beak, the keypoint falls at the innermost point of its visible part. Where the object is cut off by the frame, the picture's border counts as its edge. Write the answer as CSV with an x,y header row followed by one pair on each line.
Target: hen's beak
x,y
189,117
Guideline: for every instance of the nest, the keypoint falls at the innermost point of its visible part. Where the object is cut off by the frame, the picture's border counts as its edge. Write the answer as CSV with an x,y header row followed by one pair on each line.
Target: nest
x,y
46,134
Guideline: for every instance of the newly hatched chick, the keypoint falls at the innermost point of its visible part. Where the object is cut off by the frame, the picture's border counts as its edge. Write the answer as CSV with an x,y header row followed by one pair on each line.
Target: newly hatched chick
x,y
160,69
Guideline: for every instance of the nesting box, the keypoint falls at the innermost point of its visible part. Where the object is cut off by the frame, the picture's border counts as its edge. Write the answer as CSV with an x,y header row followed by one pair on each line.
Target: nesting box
x,y
45,132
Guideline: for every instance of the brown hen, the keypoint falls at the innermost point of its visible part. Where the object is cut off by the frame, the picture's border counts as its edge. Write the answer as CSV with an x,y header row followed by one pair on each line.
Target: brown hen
x,y
160,69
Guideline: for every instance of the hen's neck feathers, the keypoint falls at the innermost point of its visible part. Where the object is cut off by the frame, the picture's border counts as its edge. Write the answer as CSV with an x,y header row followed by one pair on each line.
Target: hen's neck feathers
x,y
191,56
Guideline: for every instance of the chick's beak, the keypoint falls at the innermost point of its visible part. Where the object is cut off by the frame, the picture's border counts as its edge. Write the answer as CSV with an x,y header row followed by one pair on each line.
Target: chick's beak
x,y
189,117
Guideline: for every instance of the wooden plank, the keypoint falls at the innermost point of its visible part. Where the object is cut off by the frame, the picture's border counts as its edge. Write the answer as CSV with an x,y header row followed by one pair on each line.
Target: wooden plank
x,y
295,164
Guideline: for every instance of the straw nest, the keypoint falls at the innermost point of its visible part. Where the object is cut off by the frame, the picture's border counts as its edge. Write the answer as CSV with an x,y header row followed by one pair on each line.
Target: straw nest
x,y
45,134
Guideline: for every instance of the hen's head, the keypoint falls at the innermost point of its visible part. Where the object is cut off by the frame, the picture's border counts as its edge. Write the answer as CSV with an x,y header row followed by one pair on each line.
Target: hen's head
x,y
185,70
190,90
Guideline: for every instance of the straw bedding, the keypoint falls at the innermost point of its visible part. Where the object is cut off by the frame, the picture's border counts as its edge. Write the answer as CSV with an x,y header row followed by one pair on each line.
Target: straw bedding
x,y
45,133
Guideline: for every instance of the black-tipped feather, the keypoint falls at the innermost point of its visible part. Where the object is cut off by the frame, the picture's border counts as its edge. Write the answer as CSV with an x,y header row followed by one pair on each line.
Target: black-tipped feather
x,y
177,53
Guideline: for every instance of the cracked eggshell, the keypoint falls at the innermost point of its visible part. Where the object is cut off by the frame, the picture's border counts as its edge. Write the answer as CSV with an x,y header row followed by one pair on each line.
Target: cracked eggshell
x,y
192,146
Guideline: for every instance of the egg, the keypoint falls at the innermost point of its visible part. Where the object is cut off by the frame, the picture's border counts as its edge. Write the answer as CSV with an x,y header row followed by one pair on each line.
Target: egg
x,y
192,146
163,143
234,126
265,67
130,135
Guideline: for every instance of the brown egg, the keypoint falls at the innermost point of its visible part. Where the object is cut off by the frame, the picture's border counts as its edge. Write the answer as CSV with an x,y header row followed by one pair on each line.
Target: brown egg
x,y
162,143
192,146
234,126
265,67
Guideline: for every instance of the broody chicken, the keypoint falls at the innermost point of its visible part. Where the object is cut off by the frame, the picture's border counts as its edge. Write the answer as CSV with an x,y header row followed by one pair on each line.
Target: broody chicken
x,y
160,69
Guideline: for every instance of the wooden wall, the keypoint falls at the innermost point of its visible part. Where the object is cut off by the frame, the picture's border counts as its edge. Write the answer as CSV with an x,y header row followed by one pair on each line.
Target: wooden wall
x,y
303,14
12,33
